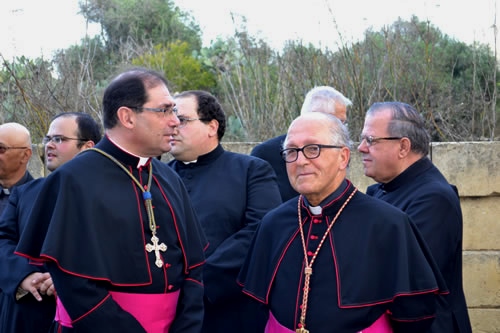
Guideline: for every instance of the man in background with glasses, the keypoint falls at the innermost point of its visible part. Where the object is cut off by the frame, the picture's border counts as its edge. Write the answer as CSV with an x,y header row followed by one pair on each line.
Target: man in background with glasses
x,y
27,304
115,226
394,145
230,193
320,98
334,259
15,153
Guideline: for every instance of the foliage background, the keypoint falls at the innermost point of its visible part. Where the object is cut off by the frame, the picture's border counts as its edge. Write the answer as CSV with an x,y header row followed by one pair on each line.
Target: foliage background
x,y
452,84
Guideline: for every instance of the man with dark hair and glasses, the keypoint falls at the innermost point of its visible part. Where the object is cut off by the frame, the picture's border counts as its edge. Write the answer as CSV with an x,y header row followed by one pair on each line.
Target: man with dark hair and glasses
x,y
27,304
15,153
335,259
230,193
394,145
115,226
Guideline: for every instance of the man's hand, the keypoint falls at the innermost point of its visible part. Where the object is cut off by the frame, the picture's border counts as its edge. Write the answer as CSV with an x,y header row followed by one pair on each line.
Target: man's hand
x,y
38,284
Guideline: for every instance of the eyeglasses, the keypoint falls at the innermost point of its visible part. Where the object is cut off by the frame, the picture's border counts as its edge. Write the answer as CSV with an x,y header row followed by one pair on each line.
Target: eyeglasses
x,y
185,120
3,149
167,111
310,152
57,139
372,139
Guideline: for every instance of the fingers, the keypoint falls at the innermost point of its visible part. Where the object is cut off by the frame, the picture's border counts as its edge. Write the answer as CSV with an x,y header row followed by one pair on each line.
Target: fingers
x,y
35,293
47,287
38,284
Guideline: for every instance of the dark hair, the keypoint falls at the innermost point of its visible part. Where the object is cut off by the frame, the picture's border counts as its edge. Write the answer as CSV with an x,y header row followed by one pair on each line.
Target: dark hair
x,y
405,122
209,108
128,89
87,128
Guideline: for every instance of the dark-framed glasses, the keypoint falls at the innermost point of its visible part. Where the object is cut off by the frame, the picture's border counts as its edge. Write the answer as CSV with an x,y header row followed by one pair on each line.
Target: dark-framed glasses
x,y
57,139
168,110
310,152
3,149
370,139
185,120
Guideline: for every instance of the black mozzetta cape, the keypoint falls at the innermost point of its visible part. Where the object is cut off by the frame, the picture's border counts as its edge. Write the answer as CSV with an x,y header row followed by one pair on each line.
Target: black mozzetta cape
x,y
90,225
372,262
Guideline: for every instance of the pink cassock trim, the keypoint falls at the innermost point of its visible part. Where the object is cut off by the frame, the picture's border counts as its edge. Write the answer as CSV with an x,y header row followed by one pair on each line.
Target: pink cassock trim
x,y
155,312
381,325
273,326
62,316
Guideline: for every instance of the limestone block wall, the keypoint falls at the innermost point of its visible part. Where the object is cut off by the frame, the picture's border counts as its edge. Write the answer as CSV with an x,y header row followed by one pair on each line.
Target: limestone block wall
x,y
474,167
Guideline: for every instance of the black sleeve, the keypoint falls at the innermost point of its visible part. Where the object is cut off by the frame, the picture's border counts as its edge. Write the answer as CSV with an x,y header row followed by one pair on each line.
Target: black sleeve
x,y
413,313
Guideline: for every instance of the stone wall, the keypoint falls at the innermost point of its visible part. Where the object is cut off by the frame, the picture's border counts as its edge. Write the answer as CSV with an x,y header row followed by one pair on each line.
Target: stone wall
x,y
475,168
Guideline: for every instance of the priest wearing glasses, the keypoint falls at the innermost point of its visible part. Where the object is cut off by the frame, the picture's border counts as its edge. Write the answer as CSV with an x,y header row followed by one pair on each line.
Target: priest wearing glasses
x,y
115,226
334,259
15,153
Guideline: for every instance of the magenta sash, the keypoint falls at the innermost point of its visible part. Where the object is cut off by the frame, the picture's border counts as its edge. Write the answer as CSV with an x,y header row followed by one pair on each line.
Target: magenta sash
x,y
62,316
273,326
381,325
155,312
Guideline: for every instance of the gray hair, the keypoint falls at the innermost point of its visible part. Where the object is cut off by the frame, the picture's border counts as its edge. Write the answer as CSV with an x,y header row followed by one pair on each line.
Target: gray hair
x,y
339,134
324,97
405,122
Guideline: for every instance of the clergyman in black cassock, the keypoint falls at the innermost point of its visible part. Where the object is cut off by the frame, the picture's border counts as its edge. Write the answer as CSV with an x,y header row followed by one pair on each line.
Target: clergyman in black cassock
x,y
230,193
414,185
115,226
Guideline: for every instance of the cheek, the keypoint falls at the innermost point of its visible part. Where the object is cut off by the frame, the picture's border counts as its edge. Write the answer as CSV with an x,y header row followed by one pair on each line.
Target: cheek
x,y
290,167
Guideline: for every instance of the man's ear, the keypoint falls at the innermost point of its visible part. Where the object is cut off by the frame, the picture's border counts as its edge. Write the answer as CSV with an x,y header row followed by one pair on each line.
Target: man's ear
x,y
214,127
404,147
344,156
126,117
27,154
87,145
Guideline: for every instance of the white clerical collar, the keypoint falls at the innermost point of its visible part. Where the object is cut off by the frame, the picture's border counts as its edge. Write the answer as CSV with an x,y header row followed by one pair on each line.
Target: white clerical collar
x,y
189,162
316,210
142,160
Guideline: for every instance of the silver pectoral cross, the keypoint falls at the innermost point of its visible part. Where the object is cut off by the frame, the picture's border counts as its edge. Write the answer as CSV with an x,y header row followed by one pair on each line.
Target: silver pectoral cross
x,y
157,248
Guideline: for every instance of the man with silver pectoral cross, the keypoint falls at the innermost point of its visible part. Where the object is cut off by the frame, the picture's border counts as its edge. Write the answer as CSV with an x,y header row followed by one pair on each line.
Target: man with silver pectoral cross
x,y
115,227
335,259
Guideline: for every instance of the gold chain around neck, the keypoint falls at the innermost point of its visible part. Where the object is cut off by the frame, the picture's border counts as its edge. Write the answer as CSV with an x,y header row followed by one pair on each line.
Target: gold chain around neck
x,y
308,264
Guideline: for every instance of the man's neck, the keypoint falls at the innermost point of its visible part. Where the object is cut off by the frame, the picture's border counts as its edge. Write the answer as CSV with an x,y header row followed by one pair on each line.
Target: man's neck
x,y
11,181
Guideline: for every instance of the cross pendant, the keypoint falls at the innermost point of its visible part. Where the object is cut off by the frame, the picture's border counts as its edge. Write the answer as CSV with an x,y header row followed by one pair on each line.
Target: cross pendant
x,y
301,330
157,248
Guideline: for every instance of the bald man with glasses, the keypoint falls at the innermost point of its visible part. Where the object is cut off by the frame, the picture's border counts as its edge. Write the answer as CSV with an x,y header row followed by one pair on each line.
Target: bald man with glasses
x,y
15,153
